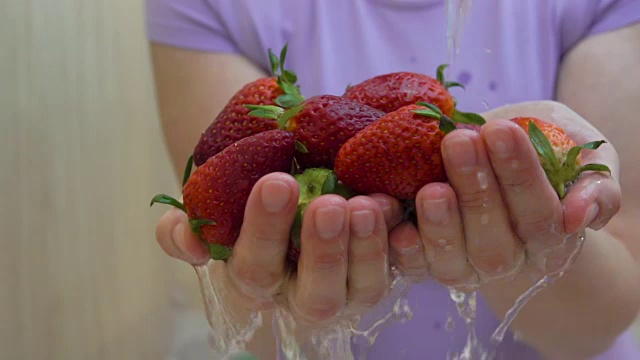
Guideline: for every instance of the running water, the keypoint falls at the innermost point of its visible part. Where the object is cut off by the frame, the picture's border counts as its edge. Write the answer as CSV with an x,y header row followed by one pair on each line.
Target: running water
x,y
466,305
545,281
229,335
457,13
230,332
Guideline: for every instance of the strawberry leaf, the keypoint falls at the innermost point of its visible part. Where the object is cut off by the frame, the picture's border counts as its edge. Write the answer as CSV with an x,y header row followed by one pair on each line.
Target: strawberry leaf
x,y
428,113
265,111
283,56
289,76
468,118
197,224
167,200
219,252
275,62
542,145
329,185
572,156
450,84
284,118
440,73
288,88
187,171
431,106
595,167
301,148
289,100
446,125
593,145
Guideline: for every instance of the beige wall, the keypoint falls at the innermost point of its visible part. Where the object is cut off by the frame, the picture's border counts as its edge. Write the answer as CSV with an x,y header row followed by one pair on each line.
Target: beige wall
x,y
81,276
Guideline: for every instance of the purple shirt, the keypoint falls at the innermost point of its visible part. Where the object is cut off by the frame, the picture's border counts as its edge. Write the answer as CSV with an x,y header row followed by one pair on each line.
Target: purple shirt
x,y
510,51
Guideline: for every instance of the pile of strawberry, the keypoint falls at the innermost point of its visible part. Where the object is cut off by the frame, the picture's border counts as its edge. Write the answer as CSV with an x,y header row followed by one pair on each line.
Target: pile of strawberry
x,y
381,136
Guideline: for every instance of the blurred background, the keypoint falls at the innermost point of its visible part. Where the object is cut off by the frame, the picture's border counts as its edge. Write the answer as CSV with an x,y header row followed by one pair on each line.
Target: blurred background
x,y
81,276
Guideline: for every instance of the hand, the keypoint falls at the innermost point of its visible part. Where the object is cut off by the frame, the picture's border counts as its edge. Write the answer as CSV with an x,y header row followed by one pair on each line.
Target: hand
x,y
498,215
343,260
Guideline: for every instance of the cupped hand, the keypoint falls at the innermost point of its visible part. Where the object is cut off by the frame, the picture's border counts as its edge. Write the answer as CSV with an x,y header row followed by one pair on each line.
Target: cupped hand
x,y
343,260
498,215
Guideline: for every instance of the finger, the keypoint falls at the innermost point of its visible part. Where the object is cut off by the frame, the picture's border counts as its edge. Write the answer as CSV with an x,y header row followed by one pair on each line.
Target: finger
x,y
178,241
492,247
591,202
407,252
391,208
368,267
258,259
535,209
321,283
442,235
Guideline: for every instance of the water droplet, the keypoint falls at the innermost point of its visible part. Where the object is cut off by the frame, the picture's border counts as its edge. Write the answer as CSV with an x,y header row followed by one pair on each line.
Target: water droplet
x,y
488,51
484,219
515,164
483,180
450,325
485,104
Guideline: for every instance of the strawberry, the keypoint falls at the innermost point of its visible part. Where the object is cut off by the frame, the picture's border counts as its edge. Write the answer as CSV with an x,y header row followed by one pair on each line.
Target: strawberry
x,y
558,153
398,154
215,195
234,123
390,92
322,124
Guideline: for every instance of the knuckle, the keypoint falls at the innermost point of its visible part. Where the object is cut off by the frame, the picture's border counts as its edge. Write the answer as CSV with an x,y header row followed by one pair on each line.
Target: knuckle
x,y
369,296
329,261
367,257
489,261
519,183
474,201
254,277
321,311
527,226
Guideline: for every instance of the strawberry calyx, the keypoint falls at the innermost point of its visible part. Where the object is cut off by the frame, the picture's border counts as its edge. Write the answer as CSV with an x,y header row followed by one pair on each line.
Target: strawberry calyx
x,y
562,173
286,80
446,125
441,78
458,116
281,115
315,182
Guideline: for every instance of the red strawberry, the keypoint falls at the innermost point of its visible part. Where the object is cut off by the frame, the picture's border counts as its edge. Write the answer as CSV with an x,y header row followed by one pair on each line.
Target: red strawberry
x,y
392,91
321,124
559,156
234,123
216,194
397,155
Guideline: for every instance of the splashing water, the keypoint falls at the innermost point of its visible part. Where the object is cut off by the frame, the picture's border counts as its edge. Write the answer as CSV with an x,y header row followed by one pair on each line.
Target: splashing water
x,y
230,332
545,281
457,12
466,305
229,335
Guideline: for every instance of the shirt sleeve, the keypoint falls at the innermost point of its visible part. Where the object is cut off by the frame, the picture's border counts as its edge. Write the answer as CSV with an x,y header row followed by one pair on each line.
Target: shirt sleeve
x,y
188,24
580,20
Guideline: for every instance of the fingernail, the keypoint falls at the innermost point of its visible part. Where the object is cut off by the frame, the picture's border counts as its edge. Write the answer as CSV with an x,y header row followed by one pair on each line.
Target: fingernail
x,y
178,234
329,221
363,222
591,214
462,154
500,141
275,195
436,210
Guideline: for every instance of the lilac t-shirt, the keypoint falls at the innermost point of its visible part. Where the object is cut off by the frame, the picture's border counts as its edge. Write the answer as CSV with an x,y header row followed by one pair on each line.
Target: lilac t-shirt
x,y
510,51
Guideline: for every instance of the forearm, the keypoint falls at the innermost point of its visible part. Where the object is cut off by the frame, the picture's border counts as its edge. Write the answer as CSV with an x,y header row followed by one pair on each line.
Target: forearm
x,y
582,313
